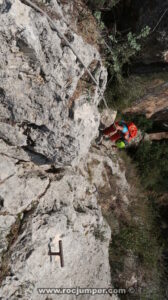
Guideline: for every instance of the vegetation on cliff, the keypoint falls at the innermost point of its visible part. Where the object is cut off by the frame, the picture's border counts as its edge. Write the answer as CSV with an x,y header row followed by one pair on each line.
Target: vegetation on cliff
x,y
139,246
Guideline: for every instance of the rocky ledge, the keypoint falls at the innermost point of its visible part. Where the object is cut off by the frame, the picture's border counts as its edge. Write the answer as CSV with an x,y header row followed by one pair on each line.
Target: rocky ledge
x,y
48,119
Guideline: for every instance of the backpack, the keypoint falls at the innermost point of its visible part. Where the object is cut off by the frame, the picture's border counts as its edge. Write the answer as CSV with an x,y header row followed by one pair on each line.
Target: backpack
x,y
132,129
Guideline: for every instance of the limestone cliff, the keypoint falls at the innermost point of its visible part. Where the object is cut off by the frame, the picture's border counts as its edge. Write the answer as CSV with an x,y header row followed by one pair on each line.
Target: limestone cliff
x,y
40,79
48,119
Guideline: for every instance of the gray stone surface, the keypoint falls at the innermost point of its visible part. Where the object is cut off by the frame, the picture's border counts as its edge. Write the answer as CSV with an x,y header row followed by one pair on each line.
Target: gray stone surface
x,y
39,76
59,206
44,145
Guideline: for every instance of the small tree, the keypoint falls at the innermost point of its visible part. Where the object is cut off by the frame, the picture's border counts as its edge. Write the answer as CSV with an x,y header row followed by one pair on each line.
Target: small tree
x,y
119,50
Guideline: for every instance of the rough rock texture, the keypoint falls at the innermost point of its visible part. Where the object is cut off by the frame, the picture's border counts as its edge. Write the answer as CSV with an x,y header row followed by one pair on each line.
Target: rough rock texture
x,y
158,136
39,76
64,206
48,118
154,105
64,209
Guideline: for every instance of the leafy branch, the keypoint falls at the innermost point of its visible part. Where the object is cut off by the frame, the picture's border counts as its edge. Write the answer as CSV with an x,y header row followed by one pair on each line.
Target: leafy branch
x,y
119,51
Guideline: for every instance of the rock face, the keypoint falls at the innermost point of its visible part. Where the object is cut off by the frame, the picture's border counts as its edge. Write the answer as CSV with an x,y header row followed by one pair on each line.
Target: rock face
x,y
61,209
48,118
158,136
154,105
59,206
43,110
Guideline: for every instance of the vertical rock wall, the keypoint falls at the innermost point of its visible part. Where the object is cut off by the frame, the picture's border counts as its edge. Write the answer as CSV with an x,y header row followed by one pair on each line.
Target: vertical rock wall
x,y
48,118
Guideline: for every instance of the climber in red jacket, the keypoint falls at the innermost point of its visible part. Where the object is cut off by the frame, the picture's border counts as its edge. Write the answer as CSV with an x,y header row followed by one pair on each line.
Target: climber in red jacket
x,y
121,133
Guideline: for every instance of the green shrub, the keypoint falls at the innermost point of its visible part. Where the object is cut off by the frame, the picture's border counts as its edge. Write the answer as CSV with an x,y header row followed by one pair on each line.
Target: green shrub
x,y
119,52
140,240
152,163
118,49
120,95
